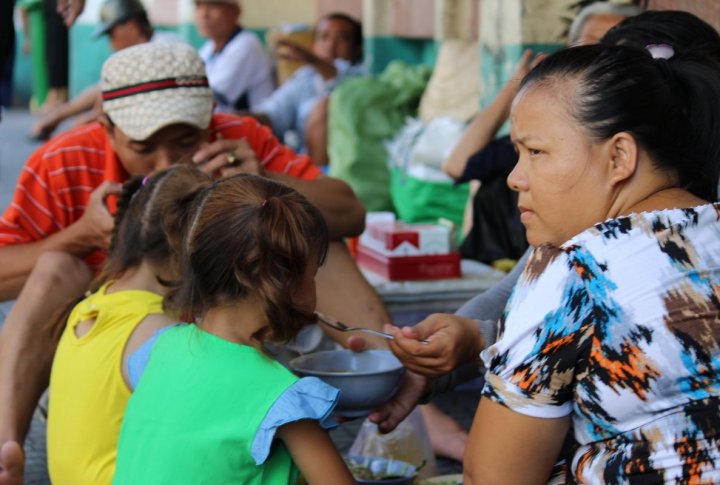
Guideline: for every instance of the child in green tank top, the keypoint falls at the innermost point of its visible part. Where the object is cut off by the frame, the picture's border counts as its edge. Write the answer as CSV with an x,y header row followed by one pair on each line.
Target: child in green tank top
x,y
210,404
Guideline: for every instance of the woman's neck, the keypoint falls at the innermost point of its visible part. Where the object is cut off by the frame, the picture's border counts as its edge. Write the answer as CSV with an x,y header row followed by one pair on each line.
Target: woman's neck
x,y
237,322
143,277
649,190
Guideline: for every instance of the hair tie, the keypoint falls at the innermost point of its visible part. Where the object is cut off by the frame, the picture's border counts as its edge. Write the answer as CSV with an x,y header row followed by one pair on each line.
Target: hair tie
x,y
145,180
660,51
263,203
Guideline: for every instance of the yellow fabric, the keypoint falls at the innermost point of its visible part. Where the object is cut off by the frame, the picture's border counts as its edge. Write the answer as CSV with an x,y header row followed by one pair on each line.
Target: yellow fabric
x,y
88,395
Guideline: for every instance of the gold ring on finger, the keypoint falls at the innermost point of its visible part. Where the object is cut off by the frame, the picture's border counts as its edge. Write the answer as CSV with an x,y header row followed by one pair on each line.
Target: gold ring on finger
x,y
231,158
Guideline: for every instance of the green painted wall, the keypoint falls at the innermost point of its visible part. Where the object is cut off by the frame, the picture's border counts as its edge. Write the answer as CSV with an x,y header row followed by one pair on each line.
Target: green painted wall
x,y
379,51
497,67
87,57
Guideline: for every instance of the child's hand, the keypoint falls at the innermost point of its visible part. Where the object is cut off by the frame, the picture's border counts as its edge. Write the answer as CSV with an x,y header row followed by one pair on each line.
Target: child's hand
x,y
412,388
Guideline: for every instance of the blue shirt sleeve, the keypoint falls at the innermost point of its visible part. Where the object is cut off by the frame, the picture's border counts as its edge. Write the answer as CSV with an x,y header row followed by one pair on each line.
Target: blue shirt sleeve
x,y
138,360
498,158
308,398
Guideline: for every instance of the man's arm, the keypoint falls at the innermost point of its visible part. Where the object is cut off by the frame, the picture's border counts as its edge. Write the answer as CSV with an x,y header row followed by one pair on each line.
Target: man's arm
x,y
92,231
343,211
260,153
27,346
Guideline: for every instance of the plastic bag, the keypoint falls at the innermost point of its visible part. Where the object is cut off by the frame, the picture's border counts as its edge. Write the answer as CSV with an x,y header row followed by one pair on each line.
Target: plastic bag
x,y
363,113
421,192
420,148
409,442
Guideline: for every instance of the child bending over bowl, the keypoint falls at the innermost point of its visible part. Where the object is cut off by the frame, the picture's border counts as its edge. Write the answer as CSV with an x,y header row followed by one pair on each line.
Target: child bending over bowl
x,y
89,384
212,406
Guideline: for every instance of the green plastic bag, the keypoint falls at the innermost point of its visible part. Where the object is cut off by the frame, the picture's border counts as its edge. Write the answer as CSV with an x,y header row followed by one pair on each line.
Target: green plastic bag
x,y
422,201
363,113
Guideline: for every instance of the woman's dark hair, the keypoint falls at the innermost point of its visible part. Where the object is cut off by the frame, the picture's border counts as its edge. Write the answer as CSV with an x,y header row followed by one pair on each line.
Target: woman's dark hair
x,y
150,219
671,107
678,29
357,32
249,235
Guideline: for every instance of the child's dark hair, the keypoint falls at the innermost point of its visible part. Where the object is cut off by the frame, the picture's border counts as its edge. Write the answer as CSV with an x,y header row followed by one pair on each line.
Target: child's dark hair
x,y
150,219
149,223
671,106
251,235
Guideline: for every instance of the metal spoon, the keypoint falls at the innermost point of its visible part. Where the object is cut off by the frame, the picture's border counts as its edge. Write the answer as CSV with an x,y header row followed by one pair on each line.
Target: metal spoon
x,y
337,325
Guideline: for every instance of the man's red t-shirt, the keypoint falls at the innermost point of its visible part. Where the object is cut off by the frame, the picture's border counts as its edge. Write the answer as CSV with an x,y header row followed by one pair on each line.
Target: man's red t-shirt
x,y
55,184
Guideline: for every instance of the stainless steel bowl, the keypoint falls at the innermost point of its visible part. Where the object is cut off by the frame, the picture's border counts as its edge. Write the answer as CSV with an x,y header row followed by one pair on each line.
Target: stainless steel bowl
x,y
365,379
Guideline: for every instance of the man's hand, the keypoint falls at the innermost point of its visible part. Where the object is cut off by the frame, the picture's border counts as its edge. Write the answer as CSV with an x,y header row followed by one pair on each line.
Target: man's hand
x,y
223,158
452,340
389,415
290,50
95,227
70,10
12,463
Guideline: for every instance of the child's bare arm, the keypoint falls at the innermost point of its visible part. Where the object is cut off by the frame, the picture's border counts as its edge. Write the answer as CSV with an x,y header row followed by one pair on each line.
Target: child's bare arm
x,y
314,453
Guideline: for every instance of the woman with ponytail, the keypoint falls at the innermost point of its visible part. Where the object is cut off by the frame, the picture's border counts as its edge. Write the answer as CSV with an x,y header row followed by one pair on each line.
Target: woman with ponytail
x,y
614,325
90,384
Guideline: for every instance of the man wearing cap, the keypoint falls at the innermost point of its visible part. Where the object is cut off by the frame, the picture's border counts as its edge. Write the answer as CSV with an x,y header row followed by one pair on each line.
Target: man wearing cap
x,y
238,69
158,111
126,24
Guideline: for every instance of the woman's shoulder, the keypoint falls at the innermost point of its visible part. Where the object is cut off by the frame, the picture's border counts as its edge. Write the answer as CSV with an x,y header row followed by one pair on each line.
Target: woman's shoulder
x,y
649,228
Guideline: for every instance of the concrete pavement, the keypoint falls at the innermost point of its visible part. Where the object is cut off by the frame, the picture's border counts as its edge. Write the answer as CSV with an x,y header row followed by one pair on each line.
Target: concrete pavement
x,y
15,147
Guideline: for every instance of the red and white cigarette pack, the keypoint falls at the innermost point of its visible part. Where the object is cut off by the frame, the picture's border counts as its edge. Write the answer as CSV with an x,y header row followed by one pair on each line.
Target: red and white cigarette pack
x,y
401,251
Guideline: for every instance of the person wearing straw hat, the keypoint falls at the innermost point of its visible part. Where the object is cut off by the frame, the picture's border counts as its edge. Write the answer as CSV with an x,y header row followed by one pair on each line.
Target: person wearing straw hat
x,y
239,71
157,112
126,24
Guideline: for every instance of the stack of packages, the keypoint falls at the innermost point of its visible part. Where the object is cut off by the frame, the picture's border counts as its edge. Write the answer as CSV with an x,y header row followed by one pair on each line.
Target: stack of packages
x,y
401,251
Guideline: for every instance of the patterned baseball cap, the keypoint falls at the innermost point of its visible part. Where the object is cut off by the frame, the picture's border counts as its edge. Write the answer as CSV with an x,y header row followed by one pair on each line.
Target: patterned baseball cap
x,y
150,86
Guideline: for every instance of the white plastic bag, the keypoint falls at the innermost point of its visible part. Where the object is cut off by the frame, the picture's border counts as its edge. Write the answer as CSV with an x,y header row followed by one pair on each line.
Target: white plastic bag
x,y
409,442
420,148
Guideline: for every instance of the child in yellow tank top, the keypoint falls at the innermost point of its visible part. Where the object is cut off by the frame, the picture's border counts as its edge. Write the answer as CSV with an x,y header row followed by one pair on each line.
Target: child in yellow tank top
x,y
89,384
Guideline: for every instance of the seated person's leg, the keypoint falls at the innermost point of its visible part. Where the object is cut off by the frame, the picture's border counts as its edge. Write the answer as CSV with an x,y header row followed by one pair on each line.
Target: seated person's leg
x,y
29,337
84,103
447,436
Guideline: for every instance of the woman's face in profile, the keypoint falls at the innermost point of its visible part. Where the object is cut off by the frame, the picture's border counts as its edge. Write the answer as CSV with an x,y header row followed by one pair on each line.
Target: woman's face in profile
x,y
561,175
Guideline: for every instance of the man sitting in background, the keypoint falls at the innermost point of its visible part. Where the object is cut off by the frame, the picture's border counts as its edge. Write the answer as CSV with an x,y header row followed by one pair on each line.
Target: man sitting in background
x,y
237,67
300,104
126,24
